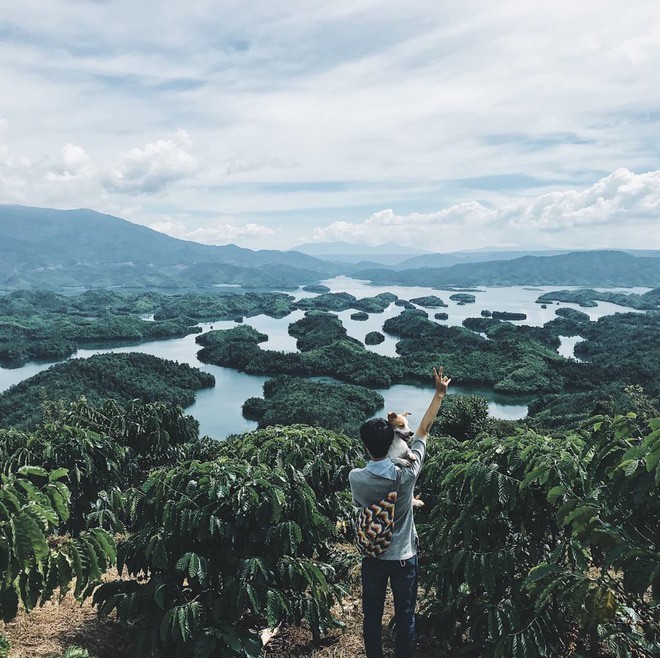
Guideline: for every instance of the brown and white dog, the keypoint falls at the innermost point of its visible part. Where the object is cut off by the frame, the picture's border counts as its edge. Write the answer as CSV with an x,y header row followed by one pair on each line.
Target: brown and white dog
x,y
400,448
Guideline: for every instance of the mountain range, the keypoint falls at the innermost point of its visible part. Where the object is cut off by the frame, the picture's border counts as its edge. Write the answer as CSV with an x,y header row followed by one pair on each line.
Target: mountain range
x,y
57,249
348,252
47,247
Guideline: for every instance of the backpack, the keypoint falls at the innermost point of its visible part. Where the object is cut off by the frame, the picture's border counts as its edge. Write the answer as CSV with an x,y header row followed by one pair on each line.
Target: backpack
x,y
374,525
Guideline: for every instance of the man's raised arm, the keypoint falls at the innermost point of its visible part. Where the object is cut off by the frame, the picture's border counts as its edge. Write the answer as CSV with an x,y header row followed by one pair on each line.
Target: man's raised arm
x,y
441,384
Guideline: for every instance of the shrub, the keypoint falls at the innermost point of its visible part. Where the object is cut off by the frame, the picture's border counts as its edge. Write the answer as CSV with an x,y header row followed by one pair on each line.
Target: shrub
x,y
539,547
33,505
464,417
220,553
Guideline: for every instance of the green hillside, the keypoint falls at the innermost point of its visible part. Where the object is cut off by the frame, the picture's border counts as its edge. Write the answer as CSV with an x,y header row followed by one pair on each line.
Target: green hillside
x,y
584,268
42,247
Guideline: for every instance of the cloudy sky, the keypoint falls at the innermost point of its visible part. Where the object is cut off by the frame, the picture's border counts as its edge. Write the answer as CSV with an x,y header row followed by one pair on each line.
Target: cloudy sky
x,y
438,124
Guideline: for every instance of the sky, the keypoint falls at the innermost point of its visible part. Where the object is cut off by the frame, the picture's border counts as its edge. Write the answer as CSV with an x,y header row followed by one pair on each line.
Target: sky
x,y
439,125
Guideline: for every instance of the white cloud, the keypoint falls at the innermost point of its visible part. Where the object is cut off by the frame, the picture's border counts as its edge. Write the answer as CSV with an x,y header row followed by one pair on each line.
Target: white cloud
x,y
621,203
74,163
214,233
153,167
237,166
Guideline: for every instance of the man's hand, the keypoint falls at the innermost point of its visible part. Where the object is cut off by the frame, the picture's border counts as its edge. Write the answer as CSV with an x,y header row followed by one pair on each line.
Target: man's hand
x,y
441,382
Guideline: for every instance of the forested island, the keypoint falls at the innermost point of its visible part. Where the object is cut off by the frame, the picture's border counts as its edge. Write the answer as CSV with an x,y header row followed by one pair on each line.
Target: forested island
x,y
122,377
588,297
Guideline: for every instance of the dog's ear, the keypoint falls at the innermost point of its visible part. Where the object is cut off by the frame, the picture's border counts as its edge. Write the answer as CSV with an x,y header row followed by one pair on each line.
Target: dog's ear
x,y
406,413
391,415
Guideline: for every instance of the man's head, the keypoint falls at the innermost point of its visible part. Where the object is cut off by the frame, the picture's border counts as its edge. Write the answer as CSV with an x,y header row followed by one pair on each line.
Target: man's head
x,y
377,435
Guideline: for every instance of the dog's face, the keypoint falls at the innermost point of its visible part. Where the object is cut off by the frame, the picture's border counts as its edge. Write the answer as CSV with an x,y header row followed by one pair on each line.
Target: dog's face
x,y
400,424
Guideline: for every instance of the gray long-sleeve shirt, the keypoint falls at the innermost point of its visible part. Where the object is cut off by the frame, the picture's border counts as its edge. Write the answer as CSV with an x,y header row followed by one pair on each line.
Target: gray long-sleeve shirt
x,y
372,484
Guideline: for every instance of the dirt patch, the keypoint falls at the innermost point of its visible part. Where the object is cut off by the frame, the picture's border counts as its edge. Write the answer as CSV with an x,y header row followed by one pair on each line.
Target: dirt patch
x,y
48,631
296,642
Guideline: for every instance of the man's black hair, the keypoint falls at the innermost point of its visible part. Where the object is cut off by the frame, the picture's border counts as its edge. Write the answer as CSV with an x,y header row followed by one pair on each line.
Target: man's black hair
x,y
377,435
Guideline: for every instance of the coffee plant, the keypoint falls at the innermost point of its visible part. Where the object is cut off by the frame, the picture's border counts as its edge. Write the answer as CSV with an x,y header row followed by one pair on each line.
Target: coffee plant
x,y
544,547
323,457
105,450
221,551
34,561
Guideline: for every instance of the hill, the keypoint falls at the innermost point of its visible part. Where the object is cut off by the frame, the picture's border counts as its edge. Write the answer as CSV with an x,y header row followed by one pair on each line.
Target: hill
x,y
584,268
388,253
122,377
57,248
478,256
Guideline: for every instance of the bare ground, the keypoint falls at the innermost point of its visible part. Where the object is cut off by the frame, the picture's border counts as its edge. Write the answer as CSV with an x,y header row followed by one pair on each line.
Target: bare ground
x,y
48,631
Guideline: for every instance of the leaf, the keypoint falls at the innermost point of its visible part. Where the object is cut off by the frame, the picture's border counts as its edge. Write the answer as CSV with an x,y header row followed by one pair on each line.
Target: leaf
x,y
33,470
629,466
28,538
540,571
532,475
604,606
58,474
555,493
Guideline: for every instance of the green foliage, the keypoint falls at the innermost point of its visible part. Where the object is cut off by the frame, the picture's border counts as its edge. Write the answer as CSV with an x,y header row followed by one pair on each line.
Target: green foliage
x,y
538,547
33,505
210,307
342,301
220,553
103,451
464,417
330,301
430,301
629,342
323,457
317,330
76,652
508,315
91,463
45,326
463,298
240,334
123,377
587,297
374,338
325,350
292,400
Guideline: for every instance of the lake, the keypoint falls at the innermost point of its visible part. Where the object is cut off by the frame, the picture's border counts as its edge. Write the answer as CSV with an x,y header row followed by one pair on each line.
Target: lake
x,y
218,410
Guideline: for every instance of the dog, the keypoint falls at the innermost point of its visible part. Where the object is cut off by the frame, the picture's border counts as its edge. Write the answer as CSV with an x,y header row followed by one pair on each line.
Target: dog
x,y
400,448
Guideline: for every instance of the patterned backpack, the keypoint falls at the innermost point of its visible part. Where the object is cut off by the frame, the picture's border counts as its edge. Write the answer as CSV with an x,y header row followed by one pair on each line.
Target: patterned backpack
x,y
374,525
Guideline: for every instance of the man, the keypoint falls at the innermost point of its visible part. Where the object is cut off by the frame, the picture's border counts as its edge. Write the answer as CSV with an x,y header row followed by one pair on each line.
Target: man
x,y
399,562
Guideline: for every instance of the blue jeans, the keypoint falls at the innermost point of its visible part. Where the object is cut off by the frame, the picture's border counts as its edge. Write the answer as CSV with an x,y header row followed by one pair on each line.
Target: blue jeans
x,y
402,575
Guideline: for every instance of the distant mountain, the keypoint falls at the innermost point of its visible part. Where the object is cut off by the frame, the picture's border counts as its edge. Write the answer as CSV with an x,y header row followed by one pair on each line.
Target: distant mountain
x,y
46,248
455,257
355,249
583,268
56,248
483,256
388,253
